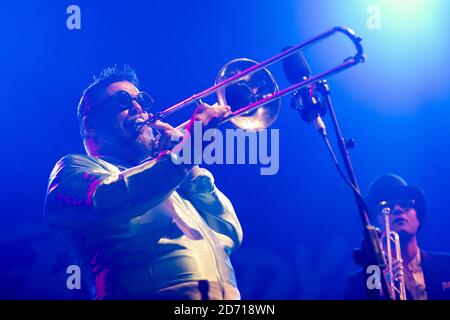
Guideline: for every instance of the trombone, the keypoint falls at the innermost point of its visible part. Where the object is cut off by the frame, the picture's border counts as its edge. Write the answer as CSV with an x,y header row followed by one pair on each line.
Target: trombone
x,y
250,89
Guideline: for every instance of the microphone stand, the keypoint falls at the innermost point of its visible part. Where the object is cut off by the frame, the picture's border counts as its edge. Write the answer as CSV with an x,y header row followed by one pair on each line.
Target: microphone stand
x,y
376,255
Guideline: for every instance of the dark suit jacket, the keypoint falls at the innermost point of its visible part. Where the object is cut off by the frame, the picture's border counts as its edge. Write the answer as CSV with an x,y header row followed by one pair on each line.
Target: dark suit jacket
x,y
436,270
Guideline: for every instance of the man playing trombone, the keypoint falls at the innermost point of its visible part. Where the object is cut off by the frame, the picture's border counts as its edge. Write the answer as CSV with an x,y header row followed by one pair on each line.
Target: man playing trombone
x,y
426,275
138,225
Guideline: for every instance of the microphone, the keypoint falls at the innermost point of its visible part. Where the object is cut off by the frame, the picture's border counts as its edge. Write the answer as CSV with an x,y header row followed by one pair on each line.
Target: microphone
x,y
297,69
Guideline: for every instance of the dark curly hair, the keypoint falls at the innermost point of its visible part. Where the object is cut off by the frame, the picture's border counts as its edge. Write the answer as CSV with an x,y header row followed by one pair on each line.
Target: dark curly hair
x,y
93,94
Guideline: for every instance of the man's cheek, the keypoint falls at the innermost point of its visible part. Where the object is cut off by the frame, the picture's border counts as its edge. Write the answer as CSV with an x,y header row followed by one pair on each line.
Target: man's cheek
x,y
146,136
123,128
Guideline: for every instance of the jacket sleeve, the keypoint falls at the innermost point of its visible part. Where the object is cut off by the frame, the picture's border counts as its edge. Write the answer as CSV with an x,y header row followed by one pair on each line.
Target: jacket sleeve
x,y
83,191
213,205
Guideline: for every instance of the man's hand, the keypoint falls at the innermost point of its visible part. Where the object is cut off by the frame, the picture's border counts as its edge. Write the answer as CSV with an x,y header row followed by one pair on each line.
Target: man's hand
x,y
209,116
397,266
167,138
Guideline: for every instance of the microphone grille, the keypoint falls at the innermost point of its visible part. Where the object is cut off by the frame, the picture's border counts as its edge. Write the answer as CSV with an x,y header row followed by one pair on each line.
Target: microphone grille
x,y
295,67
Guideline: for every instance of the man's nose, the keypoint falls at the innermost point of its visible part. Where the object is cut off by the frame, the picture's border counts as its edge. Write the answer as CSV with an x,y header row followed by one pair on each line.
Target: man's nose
x,y
398,209
135,108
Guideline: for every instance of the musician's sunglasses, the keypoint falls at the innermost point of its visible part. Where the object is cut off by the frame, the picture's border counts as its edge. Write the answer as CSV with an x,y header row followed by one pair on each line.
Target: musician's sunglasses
x,y
125,101
404,203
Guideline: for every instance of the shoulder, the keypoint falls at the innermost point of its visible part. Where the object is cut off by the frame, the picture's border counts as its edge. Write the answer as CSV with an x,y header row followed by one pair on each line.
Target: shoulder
x,y
438,258
436,264
436,269
81,162
77,160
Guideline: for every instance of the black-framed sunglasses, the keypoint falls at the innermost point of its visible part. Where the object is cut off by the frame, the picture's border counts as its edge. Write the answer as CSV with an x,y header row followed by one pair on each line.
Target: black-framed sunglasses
x,y
404,203
125,100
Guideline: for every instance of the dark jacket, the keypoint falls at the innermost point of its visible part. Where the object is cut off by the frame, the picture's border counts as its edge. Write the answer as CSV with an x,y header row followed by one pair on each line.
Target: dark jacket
x,y
436,270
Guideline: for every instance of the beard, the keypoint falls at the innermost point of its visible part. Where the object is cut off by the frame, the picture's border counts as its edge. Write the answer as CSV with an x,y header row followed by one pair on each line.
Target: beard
x,y
142,142
127,142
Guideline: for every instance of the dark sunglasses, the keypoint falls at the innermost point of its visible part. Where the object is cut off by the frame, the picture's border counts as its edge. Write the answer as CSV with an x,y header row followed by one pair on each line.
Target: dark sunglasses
x,y
404,203
125,101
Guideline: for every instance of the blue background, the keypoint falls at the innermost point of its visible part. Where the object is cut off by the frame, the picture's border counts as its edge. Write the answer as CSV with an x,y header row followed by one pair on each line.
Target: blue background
x,y
299,225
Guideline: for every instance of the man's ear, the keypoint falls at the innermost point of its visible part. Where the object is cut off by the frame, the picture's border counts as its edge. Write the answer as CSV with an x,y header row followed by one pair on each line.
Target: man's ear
x,y
88,127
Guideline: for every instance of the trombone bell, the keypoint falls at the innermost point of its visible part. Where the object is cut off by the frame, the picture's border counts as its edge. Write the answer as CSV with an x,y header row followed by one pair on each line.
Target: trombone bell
x,y
249,89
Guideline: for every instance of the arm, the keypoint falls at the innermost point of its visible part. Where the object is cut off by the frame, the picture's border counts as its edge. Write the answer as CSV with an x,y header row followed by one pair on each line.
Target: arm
x,y
84,192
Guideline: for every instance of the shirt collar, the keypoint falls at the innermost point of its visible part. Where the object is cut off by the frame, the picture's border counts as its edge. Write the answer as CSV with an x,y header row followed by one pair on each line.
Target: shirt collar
x,y
415,263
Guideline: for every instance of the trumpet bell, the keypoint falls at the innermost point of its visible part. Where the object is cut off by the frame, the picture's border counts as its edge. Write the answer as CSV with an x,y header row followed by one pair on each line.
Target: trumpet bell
x,y
249,89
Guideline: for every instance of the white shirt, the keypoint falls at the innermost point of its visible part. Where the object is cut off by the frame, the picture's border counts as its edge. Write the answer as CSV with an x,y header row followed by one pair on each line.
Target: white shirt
x,y
414,278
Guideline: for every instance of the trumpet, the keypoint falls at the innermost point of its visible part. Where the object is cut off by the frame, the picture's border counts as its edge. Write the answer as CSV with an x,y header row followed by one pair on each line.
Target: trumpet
x,y
251,91
390,241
